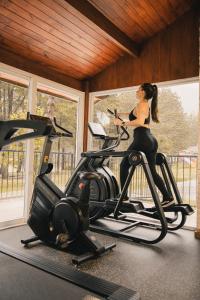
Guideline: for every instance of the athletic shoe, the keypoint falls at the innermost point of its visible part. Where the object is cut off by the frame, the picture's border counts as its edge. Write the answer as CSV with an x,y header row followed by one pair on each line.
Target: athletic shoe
x,y
126,198
167,203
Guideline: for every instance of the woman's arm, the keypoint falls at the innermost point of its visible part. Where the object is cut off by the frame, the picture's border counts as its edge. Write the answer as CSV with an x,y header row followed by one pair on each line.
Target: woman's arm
x,y
123,113
139,121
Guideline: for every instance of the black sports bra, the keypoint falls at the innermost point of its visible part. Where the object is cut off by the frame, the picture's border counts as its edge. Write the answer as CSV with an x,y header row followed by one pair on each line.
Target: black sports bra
x,y
133,117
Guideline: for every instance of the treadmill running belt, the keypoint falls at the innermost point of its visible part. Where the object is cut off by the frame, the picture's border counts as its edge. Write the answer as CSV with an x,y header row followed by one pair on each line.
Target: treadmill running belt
x,y
24,281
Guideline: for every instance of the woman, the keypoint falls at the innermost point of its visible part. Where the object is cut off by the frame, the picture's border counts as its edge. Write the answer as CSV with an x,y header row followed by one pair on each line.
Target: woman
x,y
139,119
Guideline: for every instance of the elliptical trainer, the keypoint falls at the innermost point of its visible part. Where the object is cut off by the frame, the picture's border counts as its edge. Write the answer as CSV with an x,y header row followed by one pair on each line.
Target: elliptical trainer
x,y
96,161
108,205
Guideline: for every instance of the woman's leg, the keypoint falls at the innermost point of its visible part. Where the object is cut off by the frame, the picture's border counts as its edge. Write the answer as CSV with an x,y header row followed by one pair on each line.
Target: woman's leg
x,y
124,168
156,177
167,198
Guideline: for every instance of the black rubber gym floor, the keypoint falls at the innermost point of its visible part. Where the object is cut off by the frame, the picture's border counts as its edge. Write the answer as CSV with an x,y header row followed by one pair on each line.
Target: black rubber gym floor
x,y
168,270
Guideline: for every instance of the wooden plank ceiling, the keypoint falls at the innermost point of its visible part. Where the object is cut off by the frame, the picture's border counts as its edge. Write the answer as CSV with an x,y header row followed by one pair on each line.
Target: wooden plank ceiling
x,y
80,38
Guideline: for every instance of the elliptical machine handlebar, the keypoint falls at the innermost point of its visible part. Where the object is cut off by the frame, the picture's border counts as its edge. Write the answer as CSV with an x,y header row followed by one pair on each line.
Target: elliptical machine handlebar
x,y
98,132
116,144
124,131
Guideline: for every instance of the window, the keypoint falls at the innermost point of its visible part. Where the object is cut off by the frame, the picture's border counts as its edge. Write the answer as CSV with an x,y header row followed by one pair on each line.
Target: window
x,y
176,133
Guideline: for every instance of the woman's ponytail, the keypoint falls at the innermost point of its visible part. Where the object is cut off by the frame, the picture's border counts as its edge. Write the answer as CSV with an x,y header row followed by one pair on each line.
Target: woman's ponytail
x,y
154,104
151,92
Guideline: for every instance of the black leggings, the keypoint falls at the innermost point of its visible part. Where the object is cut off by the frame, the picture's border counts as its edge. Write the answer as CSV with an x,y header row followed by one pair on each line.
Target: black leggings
x,y
144,141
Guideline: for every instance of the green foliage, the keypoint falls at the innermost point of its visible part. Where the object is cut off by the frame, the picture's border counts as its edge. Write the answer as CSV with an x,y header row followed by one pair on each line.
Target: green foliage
x,y
13,100
176,129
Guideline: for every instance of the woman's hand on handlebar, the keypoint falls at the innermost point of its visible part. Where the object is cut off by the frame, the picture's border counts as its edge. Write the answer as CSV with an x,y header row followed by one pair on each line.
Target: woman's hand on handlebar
x,y
117,122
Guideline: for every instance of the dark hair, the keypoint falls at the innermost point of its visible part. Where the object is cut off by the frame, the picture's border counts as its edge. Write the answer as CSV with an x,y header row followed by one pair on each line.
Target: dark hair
x,y
151,91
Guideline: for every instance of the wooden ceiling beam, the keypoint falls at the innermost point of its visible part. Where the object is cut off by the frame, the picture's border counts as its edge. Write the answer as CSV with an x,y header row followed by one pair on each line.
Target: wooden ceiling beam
x,y
114,33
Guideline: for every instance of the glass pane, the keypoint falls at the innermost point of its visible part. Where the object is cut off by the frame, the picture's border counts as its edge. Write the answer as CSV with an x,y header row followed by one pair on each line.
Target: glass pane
x,y
176,134
64,149
13,105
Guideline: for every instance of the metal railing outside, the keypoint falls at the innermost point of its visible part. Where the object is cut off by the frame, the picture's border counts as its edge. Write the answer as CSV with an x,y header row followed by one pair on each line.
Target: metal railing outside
x,y
12,173
184,168
63,165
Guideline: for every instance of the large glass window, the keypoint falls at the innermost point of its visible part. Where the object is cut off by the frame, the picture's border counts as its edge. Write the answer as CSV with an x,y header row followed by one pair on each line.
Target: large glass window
x,y
176,133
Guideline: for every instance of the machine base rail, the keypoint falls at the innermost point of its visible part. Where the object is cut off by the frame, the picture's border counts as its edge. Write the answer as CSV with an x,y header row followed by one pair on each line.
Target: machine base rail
x,y
85,246
182,210
132,222
136,208
129,224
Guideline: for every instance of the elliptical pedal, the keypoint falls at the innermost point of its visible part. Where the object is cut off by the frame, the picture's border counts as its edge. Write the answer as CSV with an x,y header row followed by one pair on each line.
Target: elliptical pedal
x,y
184,208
